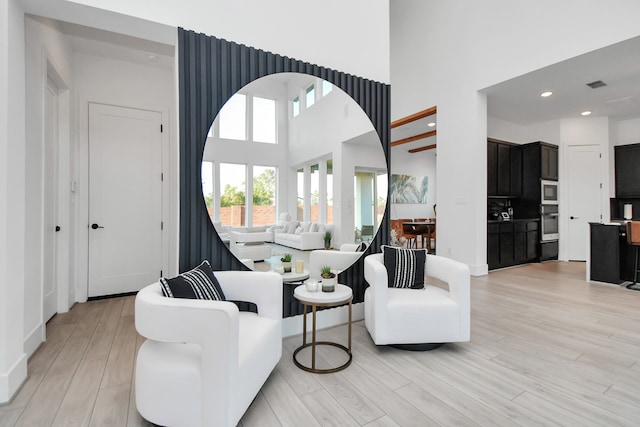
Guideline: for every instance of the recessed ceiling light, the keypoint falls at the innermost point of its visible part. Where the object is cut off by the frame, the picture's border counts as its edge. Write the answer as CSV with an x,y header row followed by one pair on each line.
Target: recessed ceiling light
x,y
585,113
432,124
546,94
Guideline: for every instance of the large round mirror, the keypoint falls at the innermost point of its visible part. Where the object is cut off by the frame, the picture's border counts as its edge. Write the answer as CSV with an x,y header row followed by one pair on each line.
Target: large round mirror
x,y
292,164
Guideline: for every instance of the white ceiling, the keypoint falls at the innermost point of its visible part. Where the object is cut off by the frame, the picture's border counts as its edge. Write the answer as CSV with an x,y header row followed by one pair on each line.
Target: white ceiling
x,y
519,101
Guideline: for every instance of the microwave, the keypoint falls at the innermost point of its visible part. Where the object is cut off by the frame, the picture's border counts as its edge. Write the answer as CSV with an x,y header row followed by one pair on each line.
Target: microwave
x,y
548,192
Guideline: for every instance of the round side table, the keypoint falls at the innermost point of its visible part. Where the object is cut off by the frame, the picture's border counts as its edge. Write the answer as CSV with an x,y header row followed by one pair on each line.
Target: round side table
x,y
342,295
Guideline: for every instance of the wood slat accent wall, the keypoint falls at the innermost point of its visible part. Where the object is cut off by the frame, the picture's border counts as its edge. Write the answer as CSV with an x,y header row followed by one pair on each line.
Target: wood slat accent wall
x,y
211,70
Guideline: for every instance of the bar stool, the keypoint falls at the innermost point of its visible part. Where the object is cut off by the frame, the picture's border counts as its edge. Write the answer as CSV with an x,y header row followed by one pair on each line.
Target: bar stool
x,y
633,238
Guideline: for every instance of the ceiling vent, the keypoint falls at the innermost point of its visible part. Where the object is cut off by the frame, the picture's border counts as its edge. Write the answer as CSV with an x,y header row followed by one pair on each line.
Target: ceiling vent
x,y
596,84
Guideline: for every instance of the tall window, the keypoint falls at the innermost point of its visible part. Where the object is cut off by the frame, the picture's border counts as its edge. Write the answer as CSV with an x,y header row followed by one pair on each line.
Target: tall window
x,y
329,191
264,195
233,118
233,189
315,193
207,186
295,105
326,87
310,96
264,120
300,185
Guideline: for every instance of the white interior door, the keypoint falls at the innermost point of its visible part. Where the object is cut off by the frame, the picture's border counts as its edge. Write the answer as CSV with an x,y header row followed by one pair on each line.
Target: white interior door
x,y
50,212
584,176
125,215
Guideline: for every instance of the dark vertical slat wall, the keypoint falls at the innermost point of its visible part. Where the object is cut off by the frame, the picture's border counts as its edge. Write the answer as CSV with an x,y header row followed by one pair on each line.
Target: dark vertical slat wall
x,y
211,71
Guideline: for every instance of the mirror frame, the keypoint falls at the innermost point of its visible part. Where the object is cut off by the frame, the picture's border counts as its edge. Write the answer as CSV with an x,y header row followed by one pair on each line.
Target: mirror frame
x,y
211,70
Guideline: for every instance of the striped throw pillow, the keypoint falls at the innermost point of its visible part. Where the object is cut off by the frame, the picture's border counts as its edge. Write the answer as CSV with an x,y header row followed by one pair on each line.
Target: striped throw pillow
x,y
198,283
405,267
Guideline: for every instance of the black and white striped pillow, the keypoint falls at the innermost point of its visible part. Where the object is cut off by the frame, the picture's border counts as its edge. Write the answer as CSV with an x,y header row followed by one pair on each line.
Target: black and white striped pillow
x,y
198,283
405,267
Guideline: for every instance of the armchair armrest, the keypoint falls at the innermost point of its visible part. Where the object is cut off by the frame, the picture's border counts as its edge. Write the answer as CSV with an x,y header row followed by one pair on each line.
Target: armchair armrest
x,y
264,289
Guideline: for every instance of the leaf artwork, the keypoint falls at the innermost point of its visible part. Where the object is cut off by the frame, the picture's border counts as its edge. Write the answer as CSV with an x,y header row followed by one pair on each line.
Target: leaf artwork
x,y
407,189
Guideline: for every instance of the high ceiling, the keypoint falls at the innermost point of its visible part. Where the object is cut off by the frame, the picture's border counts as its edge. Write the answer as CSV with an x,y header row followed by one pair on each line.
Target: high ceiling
x,y
618,66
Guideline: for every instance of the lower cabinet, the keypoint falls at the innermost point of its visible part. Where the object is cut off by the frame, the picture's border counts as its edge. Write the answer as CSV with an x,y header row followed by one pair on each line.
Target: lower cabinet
x,y
512,243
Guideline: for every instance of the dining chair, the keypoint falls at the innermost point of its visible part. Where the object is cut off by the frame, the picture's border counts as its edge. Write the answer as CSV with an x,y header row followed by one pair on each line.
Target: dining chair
x,y
426,235
409,233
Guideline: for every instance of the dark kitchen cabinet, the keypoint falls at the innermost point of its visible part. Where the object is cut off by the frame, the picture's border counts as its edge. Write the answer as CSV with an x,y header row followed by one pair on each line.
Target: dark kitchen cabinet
x,y
539,161
525,239
504,169
627,170
512,243
493,245
549,162
492,168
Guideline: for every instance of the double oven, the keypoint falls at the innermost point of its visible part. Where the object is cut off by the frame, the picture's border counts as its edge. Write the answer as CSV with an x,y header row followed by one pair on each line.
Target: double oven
x,y
549,213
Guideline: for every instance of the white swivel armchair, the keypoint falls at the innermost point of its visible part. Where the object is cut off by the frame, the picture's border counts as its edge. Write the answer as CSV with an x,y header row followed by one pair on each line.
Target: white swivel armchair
x,y
204,361
418,317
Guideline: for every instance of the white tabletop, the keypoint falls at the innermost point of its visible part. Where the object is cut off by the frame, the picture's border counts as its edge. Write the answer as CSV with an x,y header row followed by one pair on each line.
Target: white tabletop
x,y
341,294
293,276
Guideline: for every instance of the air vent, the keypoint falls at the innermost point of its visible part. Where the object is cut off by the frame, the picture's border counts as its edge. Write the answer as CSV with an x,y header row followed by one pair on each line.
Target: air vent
x,y
596,84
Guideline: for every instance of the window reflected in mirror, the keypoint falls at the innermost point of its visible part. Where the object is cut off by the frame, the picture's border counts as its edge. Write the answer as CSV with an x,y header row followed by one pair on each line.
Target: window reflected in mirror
x,y
279,158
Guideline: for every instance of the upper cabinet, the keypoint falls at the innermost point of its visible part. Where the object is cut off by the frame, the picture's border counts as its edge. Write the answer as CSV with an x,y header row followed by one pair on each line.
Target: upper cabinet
x,y
549,162
627,163
504,169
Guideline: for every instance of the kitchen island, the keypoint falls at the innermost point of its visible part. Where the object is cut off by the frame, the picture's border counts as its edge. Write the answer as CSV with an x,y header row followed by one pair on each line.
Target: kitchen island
x,y
611,259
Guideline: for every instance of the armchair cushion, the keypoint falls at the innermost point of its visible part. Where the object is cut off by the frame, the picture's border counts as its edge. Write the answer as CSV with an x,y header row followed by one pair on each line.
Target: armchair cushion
x,y
198,283
405,267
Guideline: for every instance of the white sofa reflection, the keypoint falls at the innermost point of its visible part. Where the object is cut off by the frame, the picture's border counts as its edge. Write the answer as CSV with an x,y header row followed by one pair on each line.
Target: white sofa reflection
x,y
302,235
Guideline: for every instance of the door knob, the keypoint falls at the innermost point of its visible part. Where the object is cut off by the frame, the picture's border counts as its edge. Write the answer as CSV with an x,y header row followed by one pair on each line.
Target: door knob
x,y
573,217
57,228
96,226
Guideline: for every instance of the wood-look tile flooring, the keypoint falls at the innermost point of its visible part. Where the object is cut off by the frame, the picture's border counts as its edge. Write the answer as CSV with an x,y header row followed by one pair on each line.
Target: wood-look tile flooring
x,y
547,348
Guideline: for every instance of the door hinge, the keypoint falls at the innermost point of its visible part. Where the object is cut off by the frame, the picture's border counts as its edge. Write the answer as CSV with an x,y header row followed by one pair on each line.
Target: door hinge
x,y
161,225
160,273
161,129
601,186
161,176
600,154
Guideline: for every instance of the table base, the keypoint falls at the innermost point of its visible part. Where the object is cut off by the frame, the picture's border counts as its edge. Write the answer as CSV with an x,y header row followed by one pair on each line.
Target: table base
x,y
313,344
322,371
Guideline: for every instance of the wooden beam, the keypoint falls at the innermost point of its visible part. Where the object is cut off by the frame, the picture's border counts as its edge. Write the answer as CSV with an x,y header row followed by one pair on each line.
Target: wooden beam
x,y
414,138
425,148
413,117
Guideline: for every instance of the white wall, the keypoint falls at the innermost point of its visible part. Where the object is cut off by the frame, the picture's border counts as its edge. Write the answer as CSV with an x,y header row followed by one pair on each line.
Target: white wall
x,y
522,134
350,36
416,164
465,47
147,87
13,360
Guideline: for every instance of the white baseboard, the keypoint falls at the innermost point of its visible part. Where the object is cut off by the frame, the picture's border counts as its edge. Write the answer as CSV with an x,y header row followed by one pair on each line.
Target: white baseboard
x,y
324,319
33,340
11,380
479,270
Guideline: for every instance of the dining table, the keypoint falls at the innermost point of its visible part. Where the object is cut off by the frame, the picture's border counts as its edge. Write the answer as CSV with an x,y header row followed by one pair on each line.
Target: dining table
x,y
419,228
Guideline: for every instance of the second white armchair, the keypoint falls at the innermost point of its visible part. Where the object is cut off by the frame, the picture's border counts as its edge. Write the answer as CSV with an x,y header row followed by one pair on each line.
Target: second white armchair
x,y
431,315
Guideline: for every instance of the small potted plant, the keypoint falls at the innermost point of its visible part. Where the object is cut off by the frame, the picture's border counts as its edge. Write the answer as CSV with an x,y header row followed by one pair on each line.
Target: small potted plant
x,y
328,279
327,239
286,262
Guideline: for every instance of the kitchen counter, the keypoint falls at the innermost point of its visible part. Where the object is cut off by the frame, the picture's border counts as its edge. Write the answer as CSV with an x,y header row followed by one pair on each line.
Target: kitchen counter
x,y
611,258
497,221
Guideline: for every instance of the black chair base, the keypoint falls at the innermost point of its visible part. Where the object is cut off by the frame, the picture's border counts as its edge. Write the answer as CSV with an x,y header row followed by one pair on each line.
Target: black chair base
x,y
417,347
634,286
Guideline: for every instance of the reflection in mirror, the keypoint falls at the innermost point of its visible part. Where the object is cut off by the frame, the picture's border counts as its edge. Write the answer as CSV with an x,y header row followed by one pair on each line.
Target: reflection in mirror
x,y
289,160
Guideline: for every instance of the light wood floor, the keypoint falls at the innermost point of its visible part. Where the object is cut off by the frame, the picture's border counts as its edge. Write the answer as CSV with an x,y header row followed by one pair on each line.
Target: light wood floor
x,y
546,348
